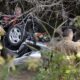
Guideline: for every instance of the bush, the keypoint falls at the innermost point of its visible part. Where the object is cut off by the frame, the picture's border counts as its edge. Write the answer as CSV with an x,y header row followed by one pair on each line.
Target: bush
x,y
61,67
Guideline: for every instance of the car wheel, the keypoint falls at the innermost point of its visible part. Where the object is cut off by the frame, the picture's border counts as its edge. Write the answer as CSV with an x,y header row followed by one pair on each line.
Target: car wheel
x,y
15,36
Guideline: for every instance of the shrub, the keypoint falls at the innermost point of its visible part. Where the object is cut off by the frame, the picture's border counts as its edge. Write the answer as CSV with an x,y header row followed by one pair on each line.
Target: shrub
x,y
61,67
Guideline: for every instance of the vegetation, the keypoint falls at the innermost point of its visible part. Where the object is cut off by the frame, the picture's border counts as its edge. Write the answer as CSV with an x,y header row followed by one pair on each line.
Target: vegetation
x,y
52,15
61,67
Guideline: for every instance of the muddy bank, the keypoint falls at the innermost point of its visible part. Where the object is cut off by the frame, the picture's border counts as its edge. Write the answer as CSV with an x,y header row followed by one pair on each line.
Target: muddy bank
x,y
23,75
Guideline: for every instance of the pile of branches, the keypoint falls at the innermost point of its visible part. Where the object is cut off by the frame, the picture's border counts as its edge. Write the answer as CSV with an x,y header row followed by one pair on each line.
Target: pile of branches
x,y
48,9
50,12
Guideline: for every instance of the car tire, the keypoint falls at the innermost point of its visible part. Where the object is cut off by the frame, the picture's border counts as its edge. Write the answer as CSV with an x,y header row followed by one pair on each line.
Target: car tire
x,y
15,36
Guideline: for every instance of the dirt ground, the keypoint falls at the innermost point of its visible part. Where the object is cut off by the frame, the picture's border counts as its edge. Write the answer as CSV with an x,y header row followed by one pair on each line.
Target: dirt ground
x,y
23,75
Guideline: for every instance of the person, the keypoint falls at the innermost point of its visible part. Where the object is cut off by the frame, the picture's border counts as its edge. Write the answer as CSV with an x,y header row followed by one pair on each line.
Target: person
x,y
13,18
2,33
18,11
